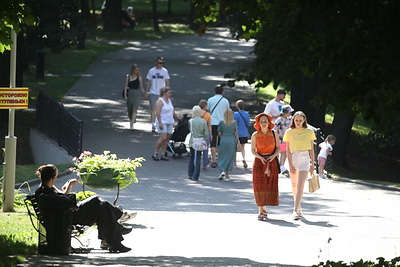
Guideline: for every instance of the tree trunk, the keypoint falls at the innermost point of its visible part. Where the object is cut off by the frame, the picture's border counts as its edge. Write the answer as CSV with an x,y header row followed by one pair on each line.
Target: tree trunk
x,y
85,11
169,7
93,7
192,24
111,14
341,128
155,16
303,91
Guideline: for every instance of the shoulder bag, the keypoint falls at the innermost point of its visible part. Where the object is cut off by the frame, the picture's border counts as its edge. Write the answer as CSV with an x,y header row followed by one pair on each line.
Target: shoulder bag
x,y
198,143
276,158
243,119
216,105
125,88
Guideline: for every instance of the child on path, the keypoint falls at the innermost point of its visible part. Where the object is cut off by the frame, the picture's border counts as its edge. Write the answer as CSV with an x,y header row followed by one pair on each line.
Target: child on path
x,y
326,150
281,125
242,119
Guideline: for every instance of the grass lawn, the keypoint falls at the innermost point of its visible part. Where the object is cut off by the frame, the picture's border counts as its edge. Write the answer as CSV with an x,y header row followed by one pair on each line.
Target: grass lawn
x,y
27,172
18,239
59,78
179,7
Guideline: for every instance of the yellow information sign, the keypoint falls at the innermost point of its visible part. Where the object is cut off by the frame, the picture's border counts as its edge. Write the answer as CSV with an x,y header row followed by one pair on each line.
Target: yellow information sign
x,y
14,98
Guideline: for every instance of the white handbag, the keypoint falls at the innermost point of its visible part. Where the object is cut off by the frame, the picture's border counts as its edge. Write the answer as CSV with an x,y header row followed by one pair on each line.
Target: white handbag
x,y
198,143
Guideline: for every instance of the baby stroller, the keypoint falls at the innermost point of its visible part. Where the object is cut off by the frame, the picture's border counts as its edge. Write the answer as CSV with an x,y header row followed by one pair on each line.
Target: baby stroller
x,y
176,144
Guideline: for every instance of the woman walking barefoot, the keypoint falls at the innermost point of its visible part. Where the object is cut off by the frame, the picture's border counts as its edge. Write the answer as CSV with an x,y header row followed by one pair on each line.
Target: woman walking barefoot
x,y
300,154
265,148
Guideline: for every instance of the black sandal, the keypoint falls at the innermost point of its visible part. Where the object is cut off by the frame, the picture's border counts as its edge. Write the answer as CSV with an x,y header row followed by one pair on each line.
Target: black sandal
x,y
164,158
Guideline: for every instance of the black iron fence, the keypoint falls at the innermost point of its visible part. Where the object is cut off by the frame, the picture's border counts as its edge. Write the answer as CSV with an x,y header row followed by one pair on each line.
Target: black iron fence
x,y
59,124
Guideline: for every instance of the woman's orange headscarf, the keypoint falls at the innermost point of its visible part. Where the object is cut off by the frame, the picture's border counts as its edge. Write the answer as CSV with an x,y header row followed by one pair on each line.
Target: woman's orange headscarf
x,y
257,124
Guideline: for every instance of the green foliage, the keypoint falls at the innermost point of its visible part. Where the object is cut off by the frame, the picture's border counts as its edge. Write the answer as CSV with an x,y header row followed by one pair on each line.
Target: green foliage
x,y
65,75
361,263
82,195
60,24
88,165
13,13
350,47
18,196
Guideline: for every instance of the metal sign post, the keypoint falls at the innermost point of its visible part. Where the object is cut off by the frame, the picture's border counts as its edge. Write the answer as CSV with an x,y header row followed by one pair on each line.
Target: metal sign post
x,y
10,140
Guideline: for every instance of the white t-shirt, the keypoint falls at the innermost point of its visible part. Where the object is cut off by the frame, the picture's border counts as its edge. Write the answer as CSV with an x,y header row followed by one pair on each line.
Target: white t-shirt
x,y
157,78
324,146
274,108
217,113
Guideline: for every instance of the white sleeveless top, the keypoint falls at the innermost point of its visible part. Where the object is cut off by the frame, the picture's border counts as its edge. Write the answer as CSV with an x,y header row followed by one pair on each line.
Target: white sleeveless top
x,y
167,112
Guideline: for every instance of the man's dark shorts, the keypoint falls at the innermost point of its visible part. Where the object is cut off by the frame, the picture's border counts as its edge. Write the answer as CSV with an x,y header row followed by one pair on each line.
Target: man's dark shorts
x,y
214,134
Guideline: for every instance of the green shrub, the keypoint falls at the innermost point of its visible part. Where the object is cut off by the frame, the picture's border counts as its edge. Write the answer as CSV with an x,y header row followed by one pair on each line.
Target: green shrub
x,y
82,195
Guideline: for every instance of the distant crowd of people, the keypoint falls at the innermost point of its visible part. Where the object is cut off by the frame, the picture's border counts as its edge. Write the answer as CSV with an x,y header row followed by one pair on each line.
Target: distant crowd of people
x,y
281,143
279,137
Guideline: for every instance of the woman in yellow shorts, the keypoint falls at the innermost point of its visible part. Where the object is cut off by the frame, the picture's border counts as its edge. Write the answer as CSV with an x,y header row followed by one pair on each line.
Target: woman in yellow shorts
x,y
300,154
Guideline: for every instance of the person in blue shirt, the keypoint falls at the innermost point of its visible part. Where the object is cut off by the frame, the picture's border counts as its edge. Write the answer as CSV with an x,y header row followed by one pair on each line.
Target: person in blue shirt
x,y
242,119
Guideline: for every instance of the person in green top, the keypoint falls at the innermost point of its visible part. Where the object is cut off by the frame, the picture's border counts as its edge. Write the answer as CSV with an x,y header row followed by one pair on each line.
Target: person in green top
x,y
198,128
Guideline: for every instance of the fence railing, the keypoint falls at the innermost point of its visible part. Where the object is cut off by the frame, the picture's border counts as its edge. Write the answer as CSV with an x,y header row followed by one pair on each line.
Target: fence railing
x,y
59,124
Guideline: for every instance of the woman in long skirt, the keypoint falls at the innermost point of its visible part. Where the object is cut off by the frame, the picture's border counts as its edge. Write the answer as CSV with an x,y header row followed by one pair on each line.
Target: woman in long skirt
x,y
265,148
228,134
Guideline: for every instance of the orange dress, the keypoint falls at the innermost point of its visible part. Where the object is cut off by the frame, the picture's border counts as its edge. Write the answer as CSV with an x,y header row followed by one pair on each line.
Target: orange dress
x,y
265,186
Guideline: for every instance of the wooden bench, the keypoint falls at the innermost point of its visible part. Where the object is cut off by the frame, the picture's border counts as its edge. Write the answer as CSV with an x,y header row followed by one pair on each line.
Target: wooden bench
x,y
54,235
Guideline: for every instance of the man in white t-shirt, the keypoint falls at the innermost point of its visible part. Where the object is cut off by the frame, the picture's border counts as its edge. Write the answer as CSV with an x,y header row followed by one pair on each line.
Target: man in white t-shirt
x,y
157,78
217,105
274,107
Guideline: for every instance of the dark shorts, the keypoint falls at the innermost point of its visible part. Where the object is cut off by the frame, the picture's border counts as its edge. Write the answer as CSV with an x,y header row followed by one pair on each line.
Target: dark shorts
x,y
214,134
243,140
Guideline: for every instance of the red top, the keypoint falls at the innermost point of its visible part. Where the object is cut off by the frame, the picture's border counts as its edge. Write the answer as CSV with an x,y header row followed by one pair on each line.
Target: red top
x,y
265,143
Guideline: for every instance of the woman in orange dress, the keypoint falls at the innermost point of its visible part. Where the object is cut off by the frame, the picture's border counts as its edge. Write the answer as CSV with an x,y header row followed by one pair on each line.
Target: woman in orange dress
x,y
265,148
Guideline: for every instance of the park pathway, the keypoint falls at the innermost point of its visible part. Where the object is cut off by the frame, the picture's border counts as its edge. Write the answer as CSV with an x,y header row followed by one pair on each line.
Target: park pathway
x,y
213,223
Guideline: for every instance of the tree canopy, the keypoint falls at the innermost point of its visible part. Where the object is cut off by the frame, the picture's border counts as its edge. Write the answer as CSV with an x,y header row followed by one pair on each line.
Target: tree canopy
x,y
13,14
350,47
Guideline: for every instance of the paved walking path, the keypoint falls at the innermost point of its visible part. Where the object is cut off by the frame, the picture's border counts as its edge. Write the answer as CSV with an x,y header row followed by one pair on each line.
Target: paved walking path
x,y
213,223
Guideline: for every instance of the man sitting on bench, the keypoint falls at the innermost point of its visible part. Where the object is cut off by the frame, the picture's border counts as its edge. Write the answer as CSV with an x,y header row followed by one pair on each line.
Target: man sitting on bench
x,y
91,211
